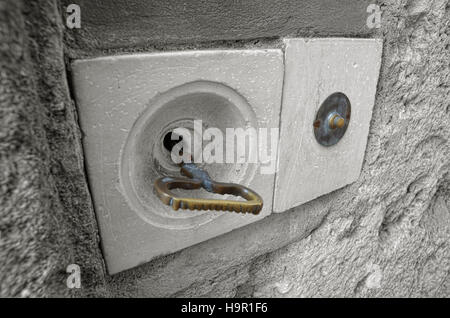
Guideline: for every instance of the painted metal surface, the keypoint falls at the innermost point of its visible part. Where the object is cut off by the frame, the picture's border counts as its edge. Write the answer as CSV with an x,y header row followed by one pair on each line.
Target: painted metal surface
x,y
315,69
126,106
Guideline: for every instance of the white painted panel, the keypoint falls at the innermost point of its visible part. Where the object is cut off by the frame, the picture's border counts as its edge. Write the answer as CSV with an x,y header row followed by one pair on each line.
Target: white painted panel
x,y
112,93
314,69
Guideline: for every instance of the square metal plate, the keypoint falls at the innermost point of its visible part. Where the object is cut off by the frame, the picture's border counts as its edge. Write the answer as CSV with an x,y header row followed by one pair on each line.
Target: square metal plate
x,y
315,69
113,93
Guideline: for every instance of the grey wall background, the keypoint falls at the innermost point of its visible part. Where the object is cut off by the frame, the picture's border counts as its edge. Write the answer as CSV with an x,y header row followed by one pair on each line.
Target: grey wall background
x,y
388,234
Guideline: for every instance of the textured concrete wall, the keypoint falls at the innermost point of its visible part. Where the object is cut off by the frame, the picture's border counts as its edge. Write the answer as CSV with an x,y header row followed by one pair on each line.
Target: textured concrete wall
x,y
388,234
138,23
46,217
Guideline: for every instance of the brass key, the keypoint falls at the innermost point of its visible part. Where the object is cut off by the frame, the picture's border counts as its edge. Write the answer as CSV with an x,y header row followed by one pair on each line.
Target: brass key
x,y
199,178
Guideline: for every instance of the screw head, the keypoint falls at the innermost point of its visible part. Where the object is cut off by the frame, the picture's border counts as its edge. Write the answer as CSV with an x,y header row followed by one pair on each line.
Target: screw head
x,y
336,121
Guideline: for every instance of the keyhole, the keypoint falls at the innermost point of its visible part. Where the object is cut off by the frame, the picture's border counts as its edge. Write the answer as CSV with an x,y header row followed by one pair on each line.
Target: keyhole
x,y
170,140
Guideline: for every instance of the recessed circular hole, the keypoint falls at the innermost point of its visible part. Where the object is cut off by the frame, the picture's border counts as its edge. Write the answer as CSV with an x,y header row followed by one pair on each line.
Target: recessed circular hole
x,y
146,156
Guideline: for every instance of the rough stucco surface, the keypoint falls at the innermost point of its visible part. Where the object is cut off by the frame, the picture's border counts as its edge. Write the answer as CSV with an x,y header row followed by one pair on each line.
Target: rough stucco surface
x,y
388,234
46,218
